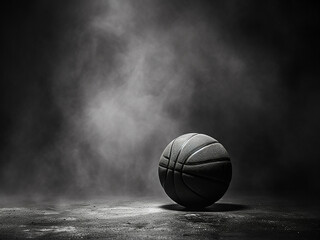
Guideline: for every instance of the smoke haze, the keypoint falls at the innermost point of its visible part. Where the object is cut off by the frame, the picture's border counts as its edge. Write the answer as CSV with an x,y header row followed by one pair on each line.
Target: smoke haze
x,y
93,91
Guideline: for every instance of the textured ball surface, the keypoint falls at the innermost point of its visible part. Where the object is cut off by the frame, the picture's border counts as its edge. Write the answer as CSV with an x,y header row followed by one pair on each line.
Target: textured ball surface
x,y
195,170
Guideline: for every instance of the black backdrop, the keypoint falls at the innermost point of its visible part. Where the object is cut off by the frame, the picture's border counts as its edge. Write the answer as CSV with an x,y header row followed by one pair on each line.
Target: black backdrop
x,y
92,91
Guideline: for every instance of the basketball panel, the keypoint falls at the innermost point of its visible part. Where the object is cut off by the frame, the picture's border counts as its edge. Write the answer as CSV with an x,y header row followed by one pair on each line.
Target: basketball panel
x,y
186,196
162,175
210,152
164,161
178,144
169,187
194,143
217,171
167,150
208,189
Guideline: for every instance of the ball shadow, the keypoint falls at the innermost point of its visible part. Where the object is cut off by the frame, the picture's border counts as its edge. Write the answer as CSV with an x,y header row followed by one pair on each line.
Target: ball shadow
x,y
217,207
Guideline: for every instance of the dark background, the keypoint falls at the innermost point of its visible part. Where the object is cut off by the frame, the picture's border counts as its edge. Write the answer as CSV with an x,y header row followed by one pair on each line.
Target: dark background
x,y
92,91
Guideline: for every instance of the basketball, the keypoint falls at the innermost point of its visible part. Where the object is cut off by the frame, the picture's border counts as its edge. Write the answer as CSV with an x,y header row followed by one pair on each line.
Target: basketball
x,y
195,170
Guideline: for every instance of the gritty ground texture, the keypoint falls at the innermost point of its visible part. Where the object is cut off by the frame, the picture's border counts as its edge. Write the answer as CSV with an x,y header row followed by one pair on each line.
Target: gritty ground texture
x,y
124,218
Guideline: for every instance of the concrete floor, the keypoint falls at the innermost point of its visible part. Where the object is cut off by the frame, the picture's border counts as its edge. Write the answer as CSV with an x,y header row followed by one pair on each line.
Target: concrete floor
x,y
123,218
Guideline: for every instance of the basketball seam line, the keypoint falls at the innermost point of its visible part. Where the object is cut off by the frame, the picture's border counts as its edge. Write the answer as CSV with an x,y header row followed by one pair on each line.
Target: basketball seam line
x,y
191,189
174,166
195,175
193,152
199,195
166,166
165,179
165,157
213,160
